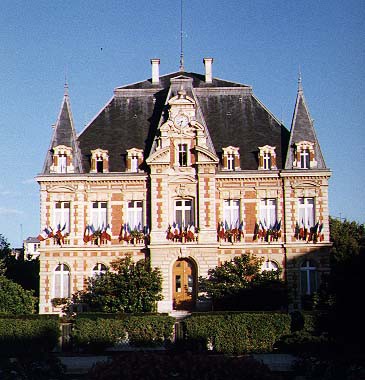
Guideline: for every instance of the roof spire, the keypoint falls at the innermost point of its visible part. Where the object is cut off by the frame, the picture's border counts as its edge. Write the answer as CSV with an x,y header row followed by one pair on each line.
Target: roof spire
x,y
181,38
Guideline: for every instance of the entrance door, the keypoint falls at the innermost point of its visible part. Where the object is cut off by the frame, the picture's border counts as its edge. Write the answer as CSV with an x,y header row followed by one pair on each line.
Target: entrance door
x,y
184,285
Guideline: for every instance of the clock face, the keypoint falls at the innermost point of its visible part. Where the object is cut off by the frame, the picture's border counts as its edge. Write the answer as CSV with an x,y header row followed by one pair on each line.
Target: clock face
x,y
181,120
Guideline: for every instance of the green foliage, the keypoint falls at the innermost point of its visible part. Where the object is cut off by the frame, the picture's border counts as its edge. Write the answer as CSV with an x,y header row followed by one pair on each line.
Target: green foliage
x,y
237,332
28,334
32,367
239,284
131,288
14,299
167,366
4,253
97,332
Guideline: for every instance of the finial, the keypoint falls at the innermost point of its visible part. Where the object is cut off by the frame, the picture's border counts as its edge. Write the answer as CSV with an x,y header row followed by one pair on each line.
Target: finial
x,y
300,86
181,38
66,86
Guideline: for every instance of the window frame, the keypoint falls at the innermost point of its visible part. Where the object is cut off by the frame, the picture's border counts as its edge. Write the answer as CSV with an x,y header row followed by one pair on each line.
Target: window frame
x,y
308,270
183,209
135,213
266,214
59,217
231,209
305,210
64,274
96,215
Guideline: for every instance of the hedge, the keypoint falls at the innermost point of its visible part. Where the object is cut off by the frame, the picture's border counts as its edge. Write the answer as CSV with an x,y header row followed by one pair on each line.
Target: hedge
x,y
27,334
237,332
96,332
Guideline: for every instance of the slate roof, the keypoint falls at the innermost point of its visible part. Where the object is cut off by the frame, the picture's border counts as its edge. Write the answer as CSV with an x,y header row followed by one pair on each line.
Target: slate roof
x,y
302,129
233,115
64,134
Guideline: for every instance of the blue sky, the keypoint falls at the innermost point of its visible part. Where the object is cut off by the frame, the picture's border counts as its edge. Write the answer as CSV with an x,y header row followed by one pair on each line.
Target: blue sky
x,y
100,45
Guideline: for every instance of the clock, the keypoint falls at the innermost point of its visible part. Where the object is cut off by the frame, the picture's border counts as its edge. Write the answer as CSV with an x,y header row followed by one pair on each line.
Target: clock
x,y
181,120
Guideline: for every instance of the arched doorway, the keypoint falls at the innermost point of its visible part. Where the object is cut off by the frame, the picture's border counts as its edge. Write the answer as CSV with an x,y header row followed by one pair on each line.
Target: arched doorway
x,y
184,284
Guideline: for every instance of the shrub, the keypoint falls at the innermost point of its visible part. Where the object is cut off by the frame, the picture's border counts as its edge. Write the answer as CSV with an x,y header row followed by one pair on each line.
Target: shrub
x,y
237,332
166,366
27,334
96,332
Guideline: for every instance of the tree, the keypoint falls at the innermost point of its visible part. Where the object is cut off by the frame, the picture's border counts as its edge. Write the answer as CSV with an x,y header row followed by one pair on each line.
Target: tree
x,y
239,284
14,299
346,284
4,254
131,287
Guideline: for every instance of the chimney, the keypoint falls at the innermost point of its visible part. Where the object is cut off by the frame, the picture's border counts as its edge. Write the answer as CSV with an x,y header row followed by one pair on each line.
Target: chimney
x,y
155,70
208,69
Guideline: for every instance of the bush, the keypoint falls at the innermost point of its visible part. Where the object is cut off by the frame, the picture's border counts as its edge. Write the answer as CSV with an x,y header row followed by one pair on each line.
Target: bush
x,y
237,332
28,334
96,332
166,366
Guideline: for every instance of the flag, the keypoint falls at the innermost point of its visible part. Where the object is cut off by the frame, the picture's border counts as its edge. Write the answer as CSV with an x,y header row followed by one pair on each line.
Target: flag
x,y
106,234
297,230
43,235
87,234
256,231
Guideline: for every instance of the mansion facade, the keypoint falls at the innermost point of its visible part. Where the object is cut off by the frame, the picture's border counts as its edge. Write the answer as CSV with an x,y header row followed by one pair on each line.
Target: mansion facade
x,y
190,171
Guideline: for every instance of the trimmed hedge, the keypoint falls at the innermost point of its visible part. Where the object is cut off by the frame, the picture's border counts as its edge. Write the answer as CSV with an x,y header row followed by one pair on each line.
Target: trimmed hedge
x,y
28,333
96,332
237,332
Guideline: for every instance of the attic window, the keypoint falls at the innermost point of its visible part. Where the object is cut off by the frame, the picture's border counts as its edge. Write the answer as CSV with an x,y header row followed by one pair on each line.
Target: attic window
x,y
134,159
231,158
62,160
267,158
304,155
99,161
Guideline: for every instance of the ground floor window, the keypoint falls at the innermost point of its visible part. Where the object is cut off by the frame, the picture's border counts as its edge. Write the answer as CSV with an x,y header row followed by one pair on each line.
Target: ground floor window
x,y
62,281
308,277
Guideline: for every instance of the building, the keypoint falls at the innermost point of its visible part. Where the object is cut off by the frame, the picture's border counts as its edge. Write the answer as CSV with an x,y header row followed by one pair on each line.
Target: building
x,y
189,170
31,248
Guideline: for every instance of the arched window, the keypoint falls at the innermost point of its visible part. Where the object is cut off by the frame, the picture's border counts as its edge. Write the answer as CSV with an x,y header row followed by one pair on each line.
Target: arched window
x,y
62,281
99,269
308,277
270,265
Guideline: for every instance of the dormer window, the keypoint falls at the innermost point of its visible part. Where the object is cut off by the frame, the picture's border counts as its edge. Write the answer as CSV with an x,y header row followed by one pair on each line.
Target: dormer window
x,y
304,155
62,160
267,158
231,158
134,159
99,161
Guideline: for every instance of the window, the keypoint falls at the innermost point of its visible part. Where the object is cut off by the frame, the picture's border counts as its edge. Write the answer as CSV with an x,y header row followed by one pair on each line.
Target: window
x,y
134,164
308,277
267,157
268,212
135,214
306,212
184,212
98,215
304,159
267,161
62,163
231,158
99,161
62,281
99,164
270,265
99,269
231,212
62,216
183,154
230,162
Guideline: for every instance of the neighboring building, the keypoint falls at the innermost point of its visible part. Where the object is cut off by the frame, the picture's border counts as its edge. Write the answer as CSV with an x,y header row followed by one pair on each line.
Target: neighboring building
x,y
190,171
31,248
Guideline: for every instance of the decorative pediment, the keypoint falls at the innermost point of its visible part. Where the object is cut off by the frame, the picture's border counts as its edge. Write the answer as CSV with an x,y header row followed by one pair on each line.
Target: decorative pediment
x,y
160,156
204,156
